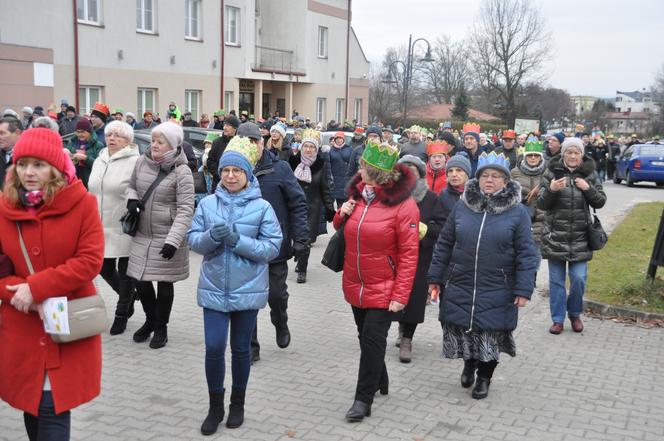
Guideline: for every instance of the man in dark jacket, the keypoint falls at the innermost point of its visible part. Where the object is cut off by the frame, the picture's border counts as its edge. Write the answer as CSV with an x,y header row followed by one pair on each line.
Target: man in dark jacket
x,y
553,147
280,188
358,137
147,122
614,154
458,170
415,145
68,123
374,133
187,121
98,118
509,147
10,130
231,125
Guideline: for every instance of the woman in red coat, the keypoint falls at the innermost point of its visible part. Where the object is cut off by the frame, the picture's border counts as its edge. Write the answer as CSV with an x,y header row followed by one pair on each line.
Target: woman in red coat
x,y
381,234
44,198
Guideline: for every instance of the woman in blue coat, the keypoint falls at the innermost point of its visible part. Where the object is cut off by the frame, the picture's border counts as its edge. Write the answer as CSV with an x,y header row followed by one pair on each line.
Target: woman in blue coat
x,y
339,157
238,233
485,262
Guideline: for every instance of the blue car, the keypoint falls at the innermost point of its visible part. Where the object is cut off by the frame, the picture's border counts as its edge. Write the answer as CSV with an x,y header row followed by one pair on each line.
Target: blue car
x,y
641,162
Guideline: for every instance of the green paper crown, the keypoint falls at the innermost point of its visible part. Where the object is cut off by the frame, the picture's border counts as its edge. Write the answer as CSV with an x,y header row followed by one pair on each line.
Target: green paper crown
x,y
381,156
533,147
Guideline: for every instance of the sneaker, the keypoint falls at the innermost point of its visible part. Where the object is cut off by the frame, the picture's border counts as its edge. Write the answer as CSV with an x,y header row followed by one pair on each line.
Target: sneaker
x,y
556,328
577,324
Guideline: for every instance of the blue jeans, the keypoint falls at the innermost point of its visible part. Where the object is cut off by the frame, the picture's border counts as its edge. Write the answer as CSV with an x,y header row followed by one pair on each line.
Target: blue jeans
x,y
558,300
216,334
48,426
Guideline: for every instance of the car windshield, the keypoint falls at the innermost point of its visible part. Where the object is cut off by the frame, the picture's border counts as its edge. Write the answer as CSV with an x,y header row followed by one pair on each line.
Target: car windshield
x,y
652,150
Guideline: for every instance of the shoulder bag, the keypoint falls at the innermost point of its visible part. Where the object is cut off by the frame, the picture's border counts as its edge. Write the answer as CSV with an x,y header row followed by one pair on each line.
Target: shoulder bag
x,y
333,257
130,219
87,315
597,237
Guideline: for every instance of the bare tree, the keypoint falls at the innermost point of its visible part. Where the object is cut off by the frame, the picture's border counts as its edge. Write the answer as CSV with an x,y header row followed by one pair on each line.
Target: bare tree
x,y
511,46
657,117
443,77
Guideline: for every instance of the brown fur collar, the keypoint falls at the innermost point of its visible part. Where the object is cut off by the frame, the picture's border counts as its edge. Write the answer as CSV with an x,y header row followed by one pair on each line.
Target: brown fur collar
x,y
392,194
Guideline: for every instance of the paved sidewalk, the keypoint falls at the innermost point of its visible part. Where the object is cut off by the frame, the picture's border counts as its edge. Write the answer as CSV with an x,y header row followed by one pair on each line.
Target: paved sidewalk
x,y
603,384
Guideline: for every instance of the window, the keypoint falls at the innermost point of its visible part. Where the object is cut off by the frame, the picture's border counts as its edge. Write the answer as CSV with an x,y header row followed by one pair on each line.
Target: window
x,y
618,99
89,11
146,101
617,109
229,101
339,113
322,42
192,100
87,97
358,110
145,16
320,109
192,19
232,26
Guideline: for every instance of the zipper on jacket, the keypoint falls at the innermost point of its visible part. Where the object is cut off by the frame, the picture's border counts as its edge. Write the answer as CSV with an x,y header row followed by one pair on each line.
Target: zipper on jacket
x,y
477,250
392,265
359,273
227,256
450,277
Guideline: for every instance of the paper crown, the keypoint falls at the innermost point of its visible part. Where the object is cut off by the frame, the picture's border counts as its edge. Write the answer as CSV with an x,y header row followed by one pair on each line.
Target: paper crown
x,y
436,148
492,160
533,148
358,130
118,110
509,134
312,136
382,156
471,127
245,147
415,128
220,112
211,136
101,107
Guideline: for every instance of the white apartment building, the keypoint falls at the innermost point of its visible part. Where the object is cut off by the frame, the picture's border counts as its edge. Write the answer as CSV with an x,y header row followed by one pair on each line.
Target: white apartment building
x,y
636,102
138,55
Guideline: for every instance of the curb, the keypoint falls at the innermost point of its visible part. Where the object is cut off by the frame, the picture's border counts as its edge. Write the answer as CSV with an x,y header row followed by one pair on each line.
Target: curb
x,y
611,311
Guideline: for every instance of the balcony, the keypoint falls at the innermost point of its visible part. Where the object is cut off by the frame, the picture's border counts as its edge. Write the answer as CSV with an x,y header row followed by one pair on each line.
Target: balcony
x,y
278,61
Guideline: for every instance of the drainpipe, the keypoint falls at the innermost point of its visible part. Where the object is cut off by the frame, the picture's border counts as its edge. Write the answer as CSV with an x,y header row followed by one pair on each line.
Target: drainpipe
x,y
76,79
348,55
221,79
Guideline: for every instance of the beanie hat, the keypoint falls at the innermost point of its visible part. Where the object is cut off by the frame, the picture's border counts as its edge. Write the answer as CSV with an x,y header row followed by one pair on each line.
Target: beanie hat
x,y
84,124
27,109
232,121
312,136
71,109
172,132
460,160
10,112
40,143
278,128
39,110
417,162
375,130
249,130
572,143
240,152
559,136
266,125
130,115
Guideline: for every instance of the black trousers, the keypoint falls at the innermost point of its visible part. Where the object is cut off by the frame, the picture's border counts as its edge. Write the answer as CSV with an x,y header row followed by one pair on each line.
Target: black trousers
x,y
303,262
157,307
277,299
47,426
407,329
114,272
372,328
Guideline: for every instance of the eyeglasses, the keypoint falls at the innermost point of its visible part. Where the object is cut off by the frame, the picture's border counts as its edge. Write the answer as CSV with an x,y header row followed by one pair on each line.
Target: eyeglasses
x,y
232,171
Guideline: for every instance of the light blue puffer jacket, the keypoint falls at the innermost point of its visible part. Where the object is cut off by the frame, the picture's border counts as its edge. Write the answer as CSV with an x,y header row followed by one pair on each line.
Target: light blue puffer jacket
x,y
235,278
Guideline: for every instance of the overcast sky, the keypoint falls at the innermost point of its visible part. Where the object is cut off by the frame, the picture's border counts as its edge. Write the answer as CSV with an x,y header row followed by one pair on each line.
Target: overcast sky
x,y
599,46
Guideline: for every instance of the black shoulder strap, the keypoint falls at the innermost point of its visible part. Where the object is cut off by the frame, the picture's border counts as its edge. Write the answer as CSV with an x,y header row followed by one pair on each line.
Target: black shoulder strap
x,y
160,177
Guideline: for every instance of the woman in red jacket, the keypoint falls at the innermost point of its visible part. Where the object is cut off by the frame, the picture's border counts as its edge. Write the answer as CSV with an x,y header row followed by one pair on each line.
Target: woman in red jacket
x,y
43,197
381,235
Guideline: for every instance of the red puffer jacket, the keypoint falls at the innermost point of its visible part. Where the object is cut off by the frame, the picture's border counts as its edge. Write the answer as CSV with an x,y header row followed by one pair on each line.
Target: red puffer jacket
x,y
436,179
381,243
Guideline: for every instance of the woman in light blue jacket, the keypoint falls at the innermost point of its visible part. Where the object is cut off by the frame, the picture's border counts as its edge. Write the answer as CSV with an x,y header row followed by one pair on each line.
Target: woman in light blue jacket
x,y
238,233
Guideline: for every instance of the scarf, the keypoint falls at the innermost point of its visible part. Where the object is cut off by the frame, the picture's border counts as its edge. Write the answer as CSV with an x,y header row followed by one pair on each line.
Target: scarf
x,y
532,171
368,193
33,199
303,170
160,158
420,190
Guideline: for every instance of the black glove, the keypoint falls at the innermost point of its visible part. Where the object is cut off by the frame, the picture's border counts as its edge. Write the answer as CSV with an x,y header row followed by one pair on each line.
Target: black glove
x,y
134,205
300,249
168,251
329,214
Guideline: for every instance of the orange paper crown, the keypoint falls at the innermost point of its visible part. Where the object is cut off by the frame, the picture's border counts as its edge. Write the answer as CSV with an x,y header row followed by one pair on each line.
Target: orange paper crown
x,y
471,127
103,108
509,134
437,148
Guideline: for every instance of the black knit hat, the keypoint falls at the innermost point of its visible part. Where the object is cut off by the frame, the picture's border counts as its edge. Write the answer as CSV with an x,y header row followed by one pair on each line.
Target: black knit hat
x,y
232,121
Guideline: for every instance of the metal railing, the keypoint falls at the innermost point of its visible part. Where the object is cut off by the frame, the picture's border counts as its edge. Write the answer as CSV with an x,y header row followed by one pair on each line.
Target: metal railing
x,y
276,60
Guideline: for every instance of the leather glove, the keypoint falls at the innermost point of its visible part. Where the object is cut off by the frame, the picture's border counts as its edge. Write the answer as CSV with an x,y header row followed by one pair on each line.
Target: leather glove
x,y
300,249
134,205
168,251
219,232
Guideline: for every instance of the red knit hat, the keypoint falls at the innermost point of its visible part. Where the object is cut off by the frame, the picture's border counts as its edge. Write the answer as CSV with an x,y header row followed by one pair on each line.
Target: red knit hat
x,y
44,144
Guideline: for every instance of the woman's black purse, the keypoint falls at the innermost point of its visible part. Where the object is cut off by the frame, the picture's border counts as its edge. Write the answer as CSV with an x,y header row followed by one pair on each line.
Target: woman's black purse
x,y
130,219
334,254
597,237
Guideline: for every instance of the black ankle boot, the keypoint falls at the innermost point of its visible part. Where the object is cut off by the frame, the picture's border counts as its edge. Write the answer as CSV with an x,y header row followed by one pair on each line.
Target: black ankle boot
x,y
358,411
119,325
143,333
236,409
283,336
215,414
468,373
160,337
481,389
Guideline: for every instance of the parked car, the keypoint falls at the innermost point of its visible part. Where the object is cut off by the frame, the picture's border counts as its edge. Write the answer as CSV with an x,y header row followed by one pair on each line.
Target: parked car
x,y
193,135
326,136
641,162
141,138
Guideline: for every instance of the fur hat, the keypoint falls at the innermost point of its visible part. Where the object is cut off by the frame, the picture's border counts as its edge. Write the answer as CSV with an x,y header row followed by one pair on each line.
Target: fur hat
x,y
172,132
460,160
417,162
43,144
569,143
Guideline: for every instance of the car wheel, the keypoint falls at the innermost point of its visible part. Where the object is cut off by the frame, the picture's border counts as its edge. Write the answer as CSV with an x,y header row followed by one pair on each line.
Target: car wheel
x,y
616,179
659,183
628,178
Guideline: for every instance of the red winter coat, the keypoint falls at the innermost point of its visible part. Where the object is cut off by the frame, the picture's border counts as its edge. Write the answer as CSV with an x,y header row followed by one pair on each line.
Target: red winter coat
x,y
436,179
382,240
65,242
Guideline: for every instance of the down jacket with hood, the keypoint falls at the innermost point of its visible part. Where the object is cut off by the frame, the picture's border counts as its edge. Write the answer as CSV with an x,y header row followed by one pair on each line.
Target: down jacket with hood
x,y
567,214
484,258
235,278
165,219
382,243
530,178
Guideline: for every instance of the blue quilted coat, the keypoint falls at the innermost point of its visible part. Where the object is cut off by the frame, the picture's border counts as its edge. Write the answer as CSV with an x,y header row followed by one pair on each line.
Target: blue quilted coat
x,y
235,278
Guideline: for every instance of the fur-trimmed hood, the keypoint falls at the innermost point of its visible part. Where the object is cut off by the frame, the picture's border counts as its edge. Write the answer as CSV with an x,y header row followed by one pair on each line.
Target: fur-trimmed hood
x,y
392,194
478,202
586,168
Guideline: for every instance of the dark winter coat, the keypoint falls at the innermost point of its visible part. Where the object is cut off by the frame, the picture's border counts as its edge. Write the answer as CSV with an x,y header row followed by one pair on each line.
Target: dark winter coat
x,y
566,223
4,165
419,150
511,154
143,125
92,149
484,258
286,151
431,214
354,162
101,137
339,159
212,164
448,199
68,126
472,158
317,193
280,188
381,243
529,178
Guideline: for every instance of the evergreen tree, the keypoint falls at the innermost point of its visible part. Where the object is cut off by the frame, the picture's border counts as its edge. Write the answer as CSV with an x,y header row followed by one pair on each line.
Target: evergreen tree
x,y
461,104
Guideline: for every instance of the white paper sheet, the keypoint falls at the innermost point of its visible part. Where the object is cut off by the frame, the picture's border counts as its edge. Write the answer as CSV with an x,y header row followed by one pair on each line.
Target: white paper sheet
x,y
56,318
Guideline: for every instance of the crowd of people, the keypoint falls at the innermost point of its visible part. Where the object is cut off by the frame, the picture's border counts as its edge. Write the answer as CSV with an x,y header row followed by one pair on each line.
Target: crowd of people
x,y
458,221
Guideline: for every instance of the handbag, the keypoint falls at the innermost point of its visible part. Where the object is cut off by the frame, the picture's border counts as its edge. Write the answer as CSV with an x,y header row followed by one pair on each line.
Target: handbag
x,y
597,237
334,254
87,315
130,219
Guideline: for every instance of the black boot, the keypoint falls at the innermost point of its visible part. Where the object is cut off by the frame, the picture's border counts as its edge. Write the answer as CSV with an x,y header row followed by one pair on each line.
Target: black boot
x,y
236,409
302,277
162,314
144,332
160,337
119,325
215,414
148,300
468,373
358,411
481,389
283,336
